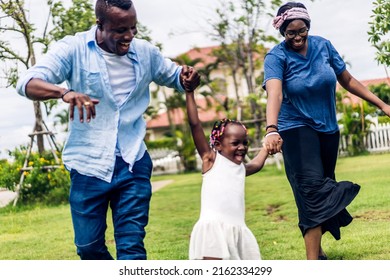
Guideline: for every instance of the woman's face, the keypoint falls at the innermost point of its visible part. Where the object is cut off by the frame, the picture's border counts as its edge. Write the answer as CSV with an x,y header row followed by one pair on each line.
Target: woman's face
x,y
296,35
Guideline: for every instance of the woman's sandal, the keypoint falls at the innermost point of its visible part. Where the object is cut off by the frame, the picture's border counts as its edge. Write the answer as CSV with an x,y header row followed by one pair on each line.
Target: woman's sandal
x,y
323,257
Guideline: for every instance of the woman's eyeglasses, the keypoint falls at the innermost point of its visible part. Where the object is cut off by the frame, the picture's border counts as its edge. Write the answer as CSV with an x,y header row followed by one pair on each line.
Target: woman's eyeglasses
x,y
291,34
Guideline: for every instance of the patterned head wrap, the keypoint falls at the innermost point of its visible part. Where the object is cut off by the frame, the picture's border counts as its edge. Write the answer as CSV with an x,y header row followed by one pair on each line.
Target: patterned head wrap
x,y
293,13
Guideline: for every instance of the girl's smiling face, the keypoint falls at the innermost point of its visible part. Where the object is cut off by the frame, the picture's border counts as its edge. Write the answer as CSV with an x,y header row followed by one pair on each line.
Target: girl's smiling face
x,y
234,143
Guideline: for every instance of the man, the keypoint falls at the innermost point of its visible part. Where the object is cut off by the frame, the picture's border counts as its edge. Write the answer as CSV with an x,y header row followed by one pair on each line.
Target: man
x,y
108,72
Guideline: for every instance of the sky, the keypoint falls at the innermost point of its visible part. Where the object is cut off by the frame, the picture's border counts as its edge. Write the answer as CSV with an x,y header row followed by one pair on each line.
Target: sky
x,y
182,24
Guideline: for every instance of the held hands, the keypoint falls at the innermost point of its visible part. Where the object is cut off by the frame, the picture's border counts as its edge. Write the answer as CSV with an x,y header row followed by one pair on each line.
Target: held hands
x,y
273,142
189,78
82,102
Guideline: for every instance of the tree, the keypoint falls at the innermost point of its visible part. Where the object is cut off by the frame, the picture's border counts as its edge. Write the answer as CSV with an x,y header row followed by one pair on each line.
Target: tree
x,y
379,31
32,41
237,29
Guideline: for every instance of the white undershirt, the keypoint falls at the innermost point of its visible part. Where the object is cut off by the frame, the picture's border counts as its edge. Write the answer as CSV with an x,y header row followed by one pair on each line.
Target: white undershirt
x,y
122,79
121,74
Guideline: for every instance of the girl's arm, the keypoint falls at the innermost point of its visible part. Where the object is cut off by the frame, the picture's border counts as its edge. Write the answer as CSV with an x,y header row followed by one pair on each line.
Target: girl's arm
x,y
202,146
352,85
257,163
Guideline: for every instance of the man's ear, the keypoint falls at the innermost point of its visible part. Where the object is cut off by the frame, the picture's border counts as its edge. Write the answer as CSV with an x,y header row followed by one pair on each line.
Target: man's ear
x,y
99,25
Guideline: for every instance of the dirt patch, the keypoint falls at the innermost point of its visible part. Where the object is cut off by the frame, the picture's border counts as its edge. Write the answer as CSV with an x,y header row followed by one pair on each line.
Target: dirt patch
x,y
272,211
374,215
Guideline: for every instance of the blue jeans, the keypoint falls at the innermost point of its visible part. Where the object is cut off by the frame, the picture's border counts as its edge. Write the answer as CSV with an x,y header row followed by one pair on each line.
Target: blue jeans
x,y
128,195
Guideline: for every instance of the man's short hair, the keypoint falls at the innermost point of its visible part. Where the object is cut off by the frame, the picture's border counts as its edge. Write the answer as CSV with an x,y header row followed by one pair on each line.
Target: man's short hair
x,y
102,6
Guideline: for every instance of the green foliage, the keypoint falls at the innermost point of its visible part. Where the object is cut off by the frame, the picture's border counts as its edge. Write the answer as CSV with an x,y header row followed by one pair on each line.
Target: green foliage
x,y
383,92
379,29
79,17
14,21
166,142
41,185
383,119
186,148
353,122
9,174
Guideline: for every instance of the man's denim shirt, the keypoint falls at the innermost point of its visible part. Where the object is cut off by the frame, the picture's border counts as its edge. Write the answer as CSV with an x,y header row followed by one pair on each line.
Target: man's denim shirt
x,y
90,147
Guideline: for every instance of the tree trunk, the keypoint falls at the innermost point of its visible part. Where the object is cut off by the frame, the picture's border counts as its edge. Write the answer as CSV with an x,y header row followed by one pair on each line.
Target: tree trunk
x,y
38,127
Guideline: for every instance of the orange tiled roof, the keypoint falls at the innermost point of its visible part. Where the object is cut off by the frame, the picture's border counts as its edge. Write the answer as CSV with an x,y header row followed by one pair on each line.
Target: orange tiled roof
x,y
370,82
204,54
376,81
353,98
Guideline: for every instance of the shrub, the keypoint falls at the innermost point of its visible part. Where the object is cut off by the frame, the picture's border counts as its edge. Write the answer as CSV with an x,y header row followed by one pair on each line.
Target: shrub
x,y
41,184
167,142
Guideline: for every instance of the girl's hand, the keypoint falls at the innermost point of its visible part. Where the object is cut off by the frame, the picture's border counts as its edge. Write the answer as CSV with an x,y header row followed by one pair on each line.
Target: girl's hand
x,y
273,143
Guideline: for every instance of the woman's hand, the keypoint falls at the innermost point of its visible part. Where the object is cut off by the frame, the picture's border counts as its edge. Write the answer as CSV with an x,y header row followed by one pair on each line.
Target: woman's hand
x,y
386,110
273,142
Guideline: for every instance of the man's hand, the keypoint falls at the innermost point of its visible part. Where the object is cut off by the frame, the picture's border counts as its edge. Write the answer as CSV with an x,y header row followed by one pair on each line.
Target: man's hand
x,y
189,78
82,102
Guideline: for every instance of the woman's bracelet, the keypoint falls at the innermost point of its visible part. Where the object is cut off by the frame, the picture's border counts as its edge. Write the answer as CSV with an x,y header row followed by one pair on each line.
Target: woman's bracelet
x,y
272,126
271,133
65,93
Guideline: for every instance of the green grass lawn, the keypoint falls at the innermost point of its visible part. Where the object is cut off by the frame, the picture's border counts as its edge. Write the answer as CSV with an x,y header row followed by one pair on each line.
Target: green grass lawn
x,y
45,233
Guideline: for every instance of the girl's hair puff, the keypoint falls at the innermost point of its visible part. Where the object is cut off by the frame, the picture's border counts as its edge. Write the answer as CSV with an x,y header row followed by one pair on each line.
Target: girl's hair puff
x,y
218,129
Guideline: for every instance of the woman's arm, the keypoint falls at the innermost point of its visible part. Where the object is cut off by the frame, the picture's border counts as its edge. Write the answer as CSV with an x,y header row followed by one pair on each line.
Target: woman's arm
x,y
273,142
352,85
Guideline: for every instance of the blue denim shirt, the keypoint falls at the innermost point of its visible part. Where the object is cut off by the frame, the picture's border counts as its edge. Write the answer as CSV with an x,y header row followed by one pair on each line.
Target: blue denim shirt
x,y
77,60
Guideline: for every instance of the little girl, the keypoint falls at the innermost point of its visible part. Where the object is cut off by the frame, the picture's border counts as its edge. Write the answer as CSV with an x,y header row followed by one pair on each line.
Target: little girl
x,y
221,232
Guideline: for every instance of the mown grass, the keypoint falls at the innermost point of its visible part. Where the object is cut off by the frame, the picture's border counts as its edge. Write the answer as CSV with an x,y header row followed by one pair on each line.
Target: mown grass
x,y
45,233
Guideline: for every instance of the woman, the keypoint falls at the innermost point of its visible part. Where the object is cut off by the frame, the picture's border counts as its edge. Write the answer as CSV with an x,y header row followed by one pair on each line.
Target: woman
x,y
300,79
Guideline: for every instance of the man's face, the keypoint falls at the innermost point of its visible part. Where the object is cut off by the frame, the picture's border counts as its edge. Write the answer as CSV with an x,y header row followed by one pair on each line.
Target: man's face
x,y
118,30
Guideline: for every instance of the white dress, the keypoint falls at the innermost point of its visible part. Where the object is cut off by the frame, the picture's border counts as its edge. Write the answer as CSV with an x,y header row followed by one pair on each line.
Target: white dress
x,y
221,231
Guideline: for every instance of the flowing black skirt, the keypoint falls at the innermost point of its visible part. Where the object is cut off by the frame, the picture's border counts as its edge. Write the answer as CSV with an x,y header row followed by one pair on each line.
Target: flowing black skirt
x,y
325,205
310,160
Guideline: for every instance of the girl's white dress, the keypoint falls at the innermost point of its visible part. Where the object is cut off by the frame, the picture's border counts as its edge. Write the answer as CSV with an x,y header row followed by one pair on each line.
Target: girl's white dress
x,y
221,231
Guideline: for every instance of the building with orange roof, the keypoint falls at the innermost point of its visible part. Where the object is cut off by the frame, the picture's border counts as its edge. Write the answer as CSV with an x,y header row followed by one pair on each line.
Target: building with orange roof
x,y
159,126
357,100
205,55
